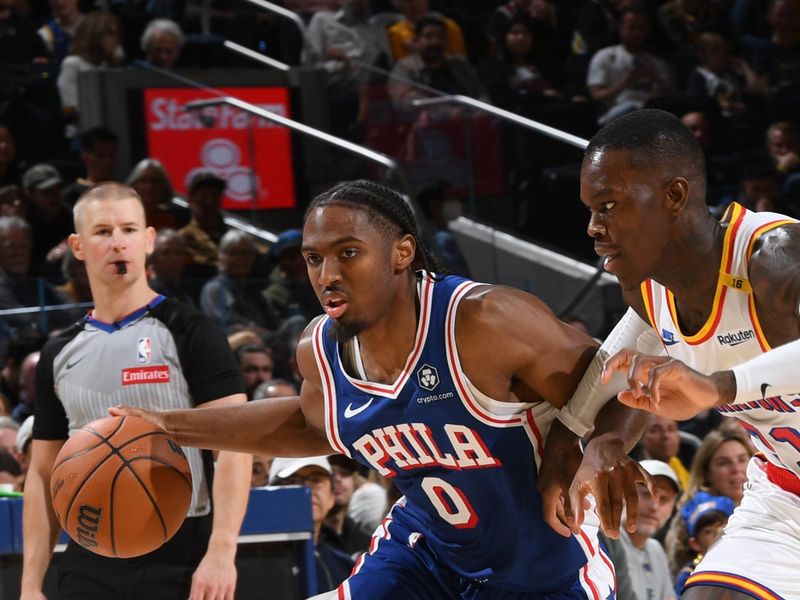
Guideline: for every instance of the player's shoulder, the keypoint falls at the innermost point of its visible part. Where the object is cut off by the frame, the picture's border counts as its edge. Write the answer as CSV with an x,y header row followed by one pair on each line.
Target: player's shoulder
x,y
490,296
305,344
498,306
774,256
306,359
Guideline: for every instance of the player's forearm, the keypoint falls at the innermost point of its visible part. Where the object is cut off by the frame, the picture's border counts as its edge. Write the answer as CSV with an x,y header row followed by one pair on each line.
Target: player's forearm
x,y
619,424
238,428
773,373
39,530
591,395
231,491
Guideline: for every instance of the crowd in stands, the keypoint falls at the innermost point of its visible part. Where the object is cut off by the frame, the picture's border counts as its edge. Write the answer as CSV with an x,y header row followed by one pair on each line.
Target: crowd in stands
x,y
729,68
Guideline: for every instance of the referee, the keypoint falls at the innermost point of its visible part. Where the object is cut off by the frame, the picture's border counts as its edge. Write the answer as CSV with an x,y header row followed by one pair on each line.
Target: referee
x,y
138,348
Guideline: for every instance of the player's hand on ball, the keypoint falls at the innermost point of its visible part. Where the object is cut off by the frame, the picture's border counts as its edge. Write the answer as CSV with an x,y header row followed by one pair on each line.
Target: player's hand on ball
x,y
151,416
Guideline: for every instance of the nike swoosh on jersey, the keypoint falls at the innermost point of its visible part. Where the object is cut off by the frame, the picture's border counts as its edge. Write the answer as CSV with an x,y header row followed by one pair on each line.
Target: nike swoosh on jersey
x,y
72,364
349,411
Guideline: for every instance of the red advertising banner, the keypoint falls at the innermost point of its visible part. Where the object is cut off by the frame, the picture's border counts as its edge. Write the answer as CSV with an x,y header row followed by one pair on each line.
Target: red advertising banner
x,y
252,154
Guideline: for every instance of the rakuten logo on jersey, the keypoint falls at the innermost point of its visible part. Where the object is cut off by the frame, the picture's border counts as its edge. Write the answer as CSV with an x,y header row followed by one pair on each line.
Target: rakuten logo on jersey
x,y
734,338
137,375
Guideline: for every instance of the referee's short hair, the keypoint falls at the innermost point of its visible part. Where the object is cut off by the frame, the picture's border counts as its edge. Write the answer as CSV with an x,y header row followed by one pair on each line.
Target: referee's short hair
x,y
109,190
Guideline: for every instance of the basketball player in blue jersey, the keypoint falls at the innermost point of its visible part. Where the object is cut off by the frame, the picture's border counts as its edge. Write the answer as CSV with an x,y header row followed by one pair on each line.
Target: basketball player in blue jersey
x,y
445,386
723,298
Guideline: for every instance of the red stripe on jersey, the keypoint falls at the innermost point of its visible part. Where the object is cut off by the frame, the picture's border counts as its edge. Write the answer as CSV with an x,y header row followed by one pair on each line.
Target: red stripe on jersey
x,y
393,390
592,587
610,567
455,369
588,542
536,432
329,391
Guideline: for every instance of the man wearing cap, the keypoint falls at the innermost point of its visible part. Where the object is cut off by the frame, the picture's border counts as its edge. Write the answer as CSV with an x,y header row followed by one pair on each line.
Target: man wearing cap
x,y
646,561
204,232
49,217
333,566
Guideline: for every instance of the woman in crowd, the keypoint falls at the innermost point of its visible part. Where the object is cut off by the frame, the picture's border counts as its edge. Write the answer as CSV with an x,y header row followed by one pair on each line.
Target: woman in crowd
x,y
719,468
150,180
97,44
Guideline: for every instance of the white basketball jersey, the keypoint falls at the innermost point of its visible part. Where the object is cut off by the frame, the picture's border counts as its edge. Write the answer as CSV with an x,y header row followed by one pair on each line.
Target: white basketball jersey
x,y
731,335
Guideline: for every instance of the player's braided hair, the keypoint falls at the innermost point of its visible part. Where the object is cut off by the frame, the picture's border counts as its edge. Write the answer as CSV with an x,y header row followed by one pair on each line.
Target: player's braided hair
x,y
386,208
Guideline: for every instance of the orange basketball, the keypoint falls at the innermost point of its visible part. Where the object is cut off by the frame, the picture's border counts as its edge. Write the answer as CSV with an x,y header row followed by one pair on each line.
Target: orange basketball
x,y
121,487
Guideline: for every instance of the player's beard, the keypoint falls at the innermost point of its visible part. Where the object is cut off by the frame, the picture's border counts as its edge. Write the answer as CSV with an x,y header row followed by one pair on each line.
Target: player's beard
x,y
343,331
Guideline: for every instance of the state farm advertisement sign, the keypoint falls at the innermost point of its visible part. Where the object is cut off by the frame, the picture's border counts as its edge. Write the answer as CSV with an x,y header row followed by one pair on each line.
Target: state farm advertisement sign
x,y
258,170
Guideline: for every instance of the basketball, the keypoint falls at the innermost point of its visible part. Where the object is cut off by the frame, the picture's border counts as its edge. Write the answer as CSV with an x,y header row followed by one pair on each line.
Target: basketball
x,y
121,487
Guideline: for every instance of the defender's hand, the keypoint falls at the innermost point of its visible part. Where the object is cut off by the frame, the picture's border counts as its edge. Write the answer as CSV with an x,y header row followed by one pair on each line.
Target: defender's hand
x,y
611,476
663,385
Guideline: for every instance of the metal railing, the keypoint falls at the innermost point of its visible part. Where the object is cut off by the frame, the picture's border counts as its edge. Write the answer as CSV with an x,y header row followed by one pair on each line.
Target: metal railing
x,y
283,12
235,223
389,163
256,56
506,115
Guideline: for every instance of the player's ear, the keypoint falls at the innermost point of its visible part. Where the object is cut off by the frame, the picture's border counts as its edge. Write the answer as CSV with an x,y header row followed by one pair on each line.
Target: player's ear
x,y
693,544
405,251
74,243
677,194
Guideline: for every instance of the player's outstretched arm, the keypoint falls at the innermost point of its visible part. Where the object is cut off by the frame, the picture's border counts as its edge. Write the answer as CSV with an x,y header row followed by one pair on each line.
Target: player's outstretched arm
x,y
39,524
290,426
275,426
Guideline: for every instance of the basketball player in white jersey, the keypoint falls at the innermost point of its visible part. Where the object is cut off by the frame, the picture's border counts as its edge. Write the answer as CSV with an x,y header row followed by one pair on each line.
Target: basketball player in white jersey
x,y
723,297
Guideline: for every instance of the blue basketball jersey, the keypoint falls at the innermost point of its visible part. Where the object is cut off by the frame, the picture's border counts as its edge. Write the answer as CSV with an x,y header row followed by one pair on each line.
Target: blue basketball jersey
x,y
465,463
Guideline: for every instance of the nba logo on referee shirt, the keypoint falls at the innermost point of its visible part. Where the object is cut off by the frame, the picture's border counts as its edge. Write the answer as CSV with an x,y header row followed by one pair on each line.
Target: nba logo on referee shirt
x,y
143,351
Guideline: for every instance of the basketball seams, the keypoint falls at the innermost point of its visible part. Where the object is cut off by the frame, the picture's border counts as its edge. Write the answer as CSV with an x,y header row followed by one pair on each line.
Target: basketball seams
x,y
114,441
150,496
103,439
83,483
111,508
79,454
166,464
